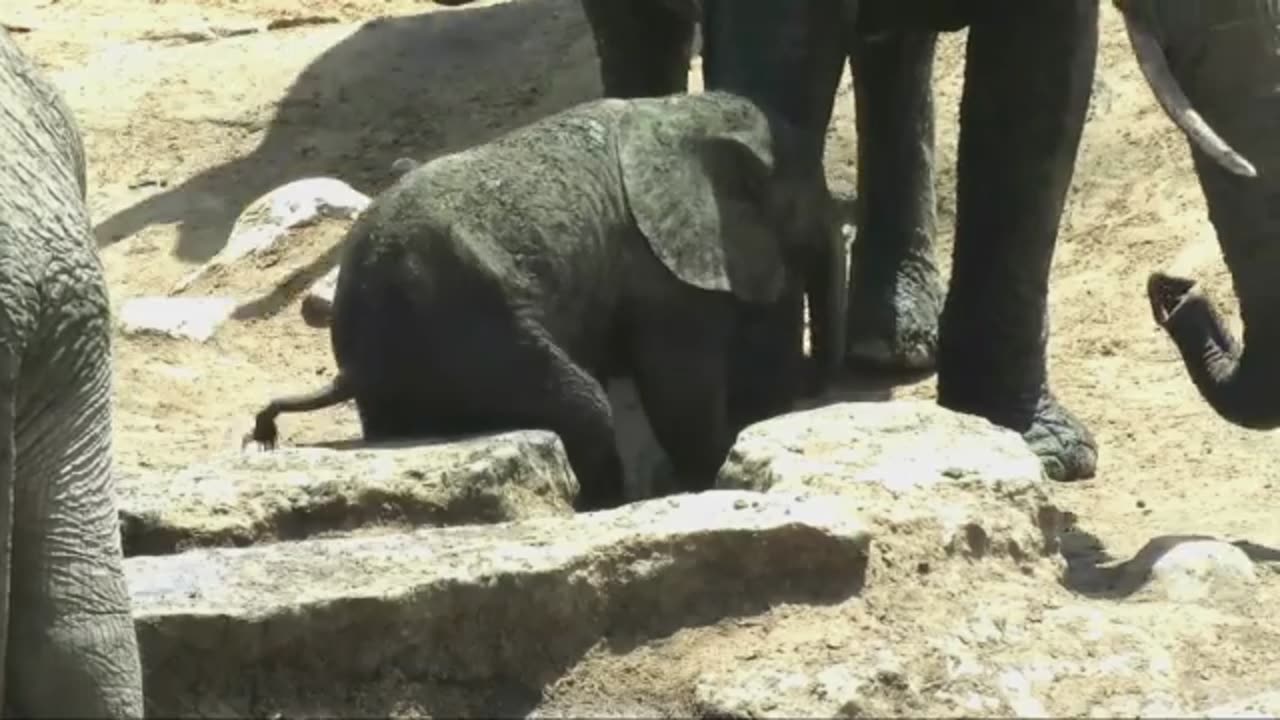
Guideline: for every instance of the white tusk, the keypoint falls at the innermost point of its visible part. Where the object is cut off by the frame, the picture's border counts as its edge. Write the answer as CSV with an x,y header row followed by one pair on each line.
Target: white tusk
x,y
1155,67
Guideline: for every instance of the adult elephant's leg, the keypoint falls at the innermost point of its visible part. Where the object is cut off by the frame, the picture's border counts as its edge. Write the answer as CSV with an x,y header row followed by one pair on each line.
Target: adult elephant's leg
x,y
644,46
786,56
1027,82
783,54
896,291
73,644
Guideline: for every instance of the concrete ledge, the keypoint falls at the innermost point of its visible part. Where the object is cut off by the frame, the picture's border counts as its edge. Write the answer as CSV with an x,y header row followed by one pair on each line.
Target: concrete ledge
x,y
293,493
513,603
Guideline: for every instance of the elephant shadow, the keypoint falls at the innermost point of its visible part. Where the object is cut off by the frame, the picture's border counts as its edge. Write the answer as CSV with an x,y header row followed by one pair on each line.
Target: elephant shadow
x,y
1094,572
416,86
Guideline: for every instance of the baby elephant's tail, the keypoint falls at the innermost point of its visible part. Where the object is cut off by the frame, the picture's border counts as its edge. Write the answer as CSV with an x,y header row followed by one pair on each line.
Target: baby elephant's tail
x,y
264,426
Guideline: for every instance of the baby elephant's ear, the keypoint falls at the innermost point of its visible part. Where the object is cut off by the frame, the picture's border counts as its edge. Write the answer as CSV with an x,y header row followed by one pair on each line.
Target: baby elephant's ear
x,y
697,178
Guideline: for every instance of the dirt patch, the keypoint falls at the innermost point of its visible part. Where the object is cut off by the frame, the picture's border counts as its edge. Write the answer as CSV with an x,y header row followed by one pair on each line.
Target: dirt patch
x,y
182,135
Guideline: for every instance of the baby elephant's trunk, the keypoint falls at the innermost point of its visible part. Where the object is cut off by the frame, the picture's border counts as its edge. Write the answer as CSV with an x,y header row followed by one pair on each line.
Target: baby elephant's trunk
x,y
264,426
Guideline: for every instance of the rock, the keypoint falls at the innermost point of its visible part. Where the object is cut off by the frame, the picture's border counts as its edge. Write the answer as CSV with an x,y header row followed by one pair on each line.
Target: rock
x,y
193,318
512,604
1197,570
901,445
205,32
1262,705
954,483
293,493
266,220
769,690
317,305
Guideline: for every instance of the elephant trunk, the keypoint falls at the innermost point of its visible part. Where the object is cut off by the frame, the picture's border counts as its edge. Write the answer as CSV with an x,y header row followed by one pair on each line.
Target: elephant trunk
x,y
1230,71
1239,384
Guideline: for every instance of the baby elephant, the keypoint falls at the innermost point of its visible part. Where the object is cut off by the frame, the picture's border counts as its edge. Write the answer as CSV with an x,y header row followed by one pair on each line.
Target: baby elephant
x,y
498,287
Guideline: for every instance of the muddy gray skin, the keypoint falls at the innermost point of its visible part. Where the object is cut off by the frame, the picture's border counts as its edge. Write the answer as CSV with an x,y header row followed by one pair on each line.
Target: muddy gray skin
x,y
500,287
1028,73
643,46
1215,67
644,50
67,642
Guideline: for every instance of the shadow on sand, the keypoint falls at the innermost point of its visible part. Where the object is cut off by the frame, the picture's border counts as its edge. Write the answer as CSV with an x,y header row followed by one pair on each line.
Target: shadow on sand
x,y
1092,570
416,86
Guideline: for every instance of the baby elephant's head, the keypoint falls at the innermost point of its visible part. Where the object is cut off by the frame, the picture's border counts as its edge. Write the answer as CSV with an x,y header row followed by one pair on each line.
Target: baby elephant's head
x,y
725,200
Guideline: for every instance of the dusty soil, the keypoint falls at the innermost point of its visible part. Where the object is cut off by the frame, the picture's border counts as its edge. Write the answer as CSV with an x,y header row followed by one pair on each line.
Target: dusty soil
x,y
183,132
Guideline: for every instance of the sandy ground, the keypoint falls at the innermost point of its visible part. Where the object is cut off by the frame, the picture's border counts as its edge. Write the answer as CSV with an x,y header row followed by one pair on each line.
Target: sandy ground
x,y
183,131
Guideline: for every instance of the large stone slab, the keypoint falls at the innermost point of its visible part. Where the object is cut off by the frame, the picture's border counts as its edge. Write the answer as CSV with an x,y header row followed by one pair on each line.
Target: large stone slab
x,y
897,446
512,604
946,481
290,493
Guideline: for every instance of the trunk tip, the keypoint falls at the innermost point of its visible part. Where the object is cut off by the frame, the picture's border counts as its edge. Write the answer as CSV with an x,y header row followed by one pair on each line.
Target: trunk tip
x,y
1166,293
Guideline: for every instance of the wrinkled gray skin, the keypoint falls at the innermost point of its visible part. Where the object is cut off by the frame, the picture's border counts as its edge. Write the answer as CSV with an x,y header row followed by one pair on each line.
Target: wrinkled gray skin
x,y
1028,72
1225,56
67,639
500,287
1029,68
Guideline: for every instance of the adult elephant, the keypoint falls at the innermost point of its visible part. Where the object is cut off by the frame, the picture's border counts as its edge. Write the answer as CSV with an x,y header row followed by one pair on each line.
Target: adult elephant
x,y
1028,73
67,642
1225,57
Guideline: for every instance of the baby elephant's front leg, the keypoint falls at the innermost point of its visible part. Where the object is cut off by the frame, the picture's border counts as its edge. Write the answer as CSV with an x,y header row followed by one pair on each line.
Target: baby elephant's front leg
x,y
681,382
767,367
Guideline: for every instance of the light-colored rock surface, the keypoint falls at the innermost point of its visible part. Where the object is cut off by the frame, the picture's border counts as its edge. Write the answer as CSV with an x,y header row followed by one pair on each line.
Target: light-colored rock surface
x,y
959,483
510,603
1199,569
182,318
292,493
847,690
832,594
1262,705
1009,654
269,218
899,446
1192,569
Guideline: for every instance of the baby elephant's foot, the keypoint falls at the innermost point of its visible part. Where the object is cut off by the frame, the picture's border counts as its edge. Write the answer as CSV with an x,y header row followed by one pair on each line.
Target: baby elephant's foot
x,y
601,479
1066,448
893,316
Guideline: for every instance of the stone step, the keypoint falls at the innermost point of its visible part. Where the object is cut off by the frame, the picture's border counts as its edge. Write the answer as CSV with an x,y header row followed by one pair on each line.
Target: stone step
x,y
292,493
511,604
945,483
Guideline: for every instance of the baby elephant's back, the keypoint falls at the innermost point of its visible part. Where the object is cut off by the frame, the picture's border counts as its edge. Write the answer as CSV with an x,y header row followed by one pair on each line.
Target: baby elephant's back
x,y
544,204
529,222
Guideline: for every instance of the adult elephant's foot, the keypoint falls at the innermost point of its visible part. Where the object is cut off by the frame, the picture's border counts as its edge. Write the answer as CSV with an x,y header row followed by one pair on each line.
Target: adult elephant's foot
x,y
1066,448
893,314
